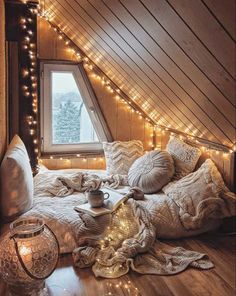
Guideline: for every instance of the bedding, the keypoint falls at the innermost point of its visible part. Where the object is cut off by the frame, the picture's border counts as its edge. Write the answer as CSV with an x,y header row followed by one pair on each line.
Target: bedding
x,y
185,156
151,171
156,216
200,196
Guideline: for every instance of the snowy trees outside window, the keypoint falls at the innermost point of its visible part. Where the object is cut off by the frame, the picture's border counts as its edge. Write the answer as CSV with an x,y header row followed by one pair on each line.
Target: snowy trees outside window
x,y
71,123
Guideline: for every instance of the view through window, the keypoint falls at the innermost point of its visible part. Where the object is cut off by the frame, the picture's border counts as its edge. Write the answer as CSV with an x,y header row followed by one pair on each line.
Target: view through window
x,y
71,123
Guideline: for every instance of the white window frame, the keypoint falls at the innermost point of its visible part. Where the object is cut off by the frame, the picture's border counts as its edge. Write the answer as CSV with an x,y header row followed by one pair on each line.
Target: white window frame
x,y
90,102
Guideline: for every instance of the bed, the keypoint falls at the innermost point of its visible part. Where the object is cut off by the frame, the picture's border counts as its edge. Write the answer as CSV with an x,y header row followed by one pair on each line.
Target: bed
x,y
165,214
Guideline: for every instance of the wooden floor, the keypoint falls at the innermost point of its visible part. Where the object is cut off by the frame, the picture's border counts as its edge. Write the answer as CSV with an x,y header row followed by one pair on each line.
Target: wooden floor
x,y
219,281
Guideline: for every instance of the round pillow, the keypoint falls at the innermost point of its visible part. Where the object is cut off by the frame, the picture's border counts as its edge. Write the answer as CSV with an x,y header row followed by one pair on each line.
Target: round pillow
x,y
151,171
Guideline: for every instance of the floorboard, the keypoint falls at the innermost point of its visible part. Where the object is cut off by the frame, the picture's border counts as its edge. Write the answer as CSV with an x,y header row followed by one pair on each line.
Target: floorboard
x,y
219,281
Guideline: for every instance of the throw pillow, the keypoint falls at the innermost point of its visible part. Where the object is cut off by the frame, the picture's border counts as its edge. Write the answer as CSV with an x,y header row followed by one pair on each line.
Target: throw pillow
x,y
202,196
185,156
16,181
120,155
151,171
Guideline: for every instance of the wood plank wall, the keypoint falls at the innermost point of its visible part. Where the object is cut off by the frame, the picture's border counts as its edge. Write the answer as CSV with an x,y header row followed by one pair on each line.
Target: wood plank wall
x,y
123,123
177,56
3,110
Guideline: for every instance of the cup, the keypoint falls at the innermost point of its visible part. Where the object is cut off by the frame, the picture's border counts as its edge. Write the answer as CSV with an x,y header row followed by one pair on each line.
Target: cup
x,y
96,198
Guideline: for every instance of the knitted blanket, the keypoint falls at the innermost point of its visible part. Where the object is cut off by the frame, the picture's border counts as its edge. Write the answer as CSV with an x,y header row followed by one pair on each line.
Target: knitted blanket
x,y
129,241
81,182
112,244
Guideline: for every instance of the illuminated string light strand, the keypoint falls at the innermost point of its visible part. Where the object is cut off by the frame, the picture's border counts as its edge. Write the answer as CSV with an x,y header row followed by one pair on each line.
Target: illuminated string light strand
x,y
29,72
119,95
95,73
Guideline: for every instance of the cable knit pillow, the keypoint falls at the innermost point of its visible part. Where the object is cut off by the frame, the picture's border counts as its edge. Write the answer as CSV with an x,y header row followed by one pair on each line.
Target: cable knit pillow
x,y
120,155
151,171
185,156
16,181
202,196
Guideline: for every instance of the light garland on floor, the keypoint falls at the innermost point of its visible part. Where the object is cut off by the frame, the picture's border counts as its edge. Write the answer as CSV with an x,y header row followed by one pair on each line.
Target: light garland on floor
x,y
114,288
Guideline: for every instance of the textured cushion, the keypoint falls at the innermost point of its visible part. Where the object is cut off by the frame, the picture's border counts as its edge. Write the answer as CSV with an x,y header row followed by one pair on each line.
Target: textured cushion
x,y
120,155
201,195
185,156
151,171
16,181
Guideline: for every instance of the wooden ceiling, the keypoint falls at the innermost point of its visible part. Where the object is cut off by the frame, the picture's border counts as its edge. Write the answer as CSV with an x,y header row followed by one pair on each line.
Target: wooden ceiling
x,y
175,58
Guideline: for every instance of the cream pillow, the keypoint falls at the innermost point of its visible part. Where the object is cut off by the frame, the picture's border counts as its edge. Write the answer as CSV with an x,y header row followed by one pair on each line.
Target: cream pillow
x,y
151,171
120,155
202,196
185,156
16,181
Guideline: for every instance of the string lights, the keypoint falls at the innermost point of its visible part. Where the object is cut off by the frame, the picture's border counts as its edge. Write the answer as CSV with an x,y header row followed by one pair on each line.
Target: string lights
x,y
28,77
29,74
98,75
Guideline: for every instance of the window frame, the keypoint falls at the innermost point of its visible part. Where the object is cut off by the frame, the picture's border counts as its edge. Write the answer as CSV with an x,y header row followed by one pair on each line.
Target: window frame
x,y
90,102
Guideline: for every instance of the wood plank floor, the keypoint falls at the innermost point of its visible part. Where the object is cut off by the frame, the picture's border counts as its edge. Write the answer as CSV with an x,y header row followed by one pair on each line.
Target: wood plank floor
x,y
219,281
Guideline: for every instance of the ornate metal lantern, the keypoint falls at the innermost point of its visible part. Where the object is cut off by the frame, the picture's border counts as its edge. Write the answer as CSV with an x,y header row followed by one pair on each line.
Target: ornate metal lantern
x,y
28,255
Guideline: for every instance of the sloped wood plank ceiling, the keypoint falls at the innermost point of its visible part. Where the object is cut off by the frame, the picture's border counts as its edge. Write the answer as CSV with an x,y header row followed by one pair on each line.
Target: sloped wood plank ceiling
x,y
175,58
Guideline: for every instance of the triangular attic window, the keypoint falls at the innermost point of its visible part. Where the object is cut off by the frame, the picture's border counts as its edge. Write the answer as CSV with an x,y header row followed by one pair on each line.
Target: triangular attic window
x,y
71,118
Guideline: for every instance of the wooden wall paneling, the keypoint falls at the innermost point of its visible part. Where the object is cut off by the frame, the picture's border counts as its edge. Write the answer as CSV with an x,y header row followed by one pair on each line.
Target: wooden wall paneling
x,y
225,13
114,77
193,47
49,163
46,40
137,127
144,38
193,75
79,163
63,163
148,136
215,38
3,104
197,103
98,53
135,57
188,114
123,122
158,136
163,38
62,52
137,70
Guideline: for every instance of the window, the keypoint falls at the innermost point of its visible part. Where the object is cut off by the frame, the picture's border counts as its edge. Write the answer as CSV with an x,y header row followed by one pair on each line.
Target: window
x,y
71,120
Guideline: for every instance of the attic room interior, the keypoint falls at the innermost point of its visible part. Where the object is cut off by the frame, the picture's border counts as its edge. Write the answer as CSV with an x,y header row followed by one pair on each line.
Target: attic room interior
x,y
117,147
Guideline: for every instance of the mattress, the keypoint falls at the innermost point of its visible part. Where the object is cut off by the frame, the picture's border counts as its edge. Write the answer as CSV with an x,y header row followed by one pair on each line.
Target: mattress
x,y
59,214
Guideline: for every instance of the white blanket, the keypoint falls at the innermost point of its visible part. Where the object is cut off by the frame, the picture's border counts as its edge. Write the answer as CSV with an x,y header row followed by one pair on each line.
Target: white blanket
x,y
74,230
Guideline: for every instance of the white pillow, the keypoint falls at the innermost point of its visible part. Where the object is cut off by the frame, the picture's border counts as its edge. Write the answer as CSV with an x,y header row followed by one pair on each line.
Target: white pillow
x,y
151,171
185,156
16,181
202,196
120,155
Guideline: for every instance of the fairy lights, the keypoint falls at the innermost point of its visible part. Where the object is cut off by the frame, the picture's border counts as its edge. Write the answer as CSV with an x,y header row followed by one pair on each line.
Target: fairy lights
x,y
29,73
131,105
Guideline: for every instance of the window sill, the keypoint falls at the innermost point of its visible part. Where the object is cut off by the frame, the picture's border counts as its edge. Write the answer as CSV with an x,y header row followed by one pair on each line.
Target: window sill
x,y
68,155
